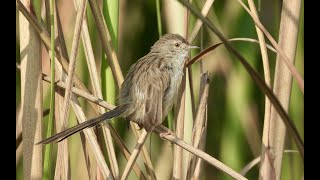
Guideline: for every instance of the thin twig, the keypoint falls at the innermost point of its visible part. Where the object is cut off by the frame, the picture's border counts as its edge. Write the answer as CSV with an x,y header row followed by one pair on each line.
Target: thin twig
x,y
256,160
165,133
134,154
205,52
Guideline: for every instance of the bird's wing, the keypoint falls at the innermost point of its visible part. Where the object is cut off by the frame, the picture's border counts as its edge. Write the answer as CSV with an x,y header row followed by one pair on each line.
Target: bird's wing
x,y
157,82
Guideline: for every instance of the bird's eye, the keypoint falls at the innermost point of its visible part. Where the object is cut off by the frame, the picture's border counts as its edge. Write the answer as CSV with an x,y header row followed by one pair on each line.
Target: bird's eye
x,y
176,44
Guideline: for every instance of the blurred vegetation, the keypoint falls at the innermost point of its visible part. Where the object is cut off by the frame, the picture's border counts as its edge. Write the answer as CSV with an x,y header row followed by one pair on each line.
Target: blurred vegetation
x,y
234,101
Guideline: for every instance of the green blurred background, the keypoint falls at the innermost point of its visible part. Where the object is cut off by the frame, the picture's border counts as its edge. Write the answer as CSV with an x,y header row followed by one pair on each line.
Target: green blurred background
x,y
235,104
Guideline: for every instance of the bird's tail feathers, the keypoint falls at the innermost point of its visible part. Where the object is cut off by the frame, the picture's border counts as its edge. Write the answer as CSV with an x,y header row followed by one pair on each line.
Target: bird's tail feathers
x,y
87,124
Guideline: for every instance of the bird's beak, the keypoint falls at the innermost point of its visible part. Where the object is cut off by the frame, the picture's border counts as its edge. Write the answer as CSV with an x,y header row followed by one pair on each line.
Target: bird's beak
x,y
193,47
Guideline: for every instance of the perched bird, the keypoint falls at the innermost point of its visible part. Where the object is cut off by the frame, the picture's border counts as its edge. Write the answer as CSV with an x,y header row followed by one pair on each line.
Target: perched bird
x,y
149,90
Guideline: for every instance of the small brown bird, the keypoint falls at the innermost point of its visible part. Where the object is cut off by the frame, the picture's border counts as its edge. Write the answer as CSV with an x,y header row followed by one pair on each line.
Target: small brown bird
x,y
149,89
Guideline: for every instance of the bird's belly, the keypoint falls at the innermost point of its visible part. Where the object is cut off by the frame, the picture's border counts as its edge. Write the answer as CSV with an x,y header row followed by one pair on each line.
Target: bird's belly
x,y
172,93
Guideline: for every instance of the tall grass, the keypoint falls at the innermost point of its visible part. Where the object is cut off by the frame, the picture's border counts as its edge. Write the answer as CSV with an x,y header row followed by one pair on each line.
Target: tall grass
x,y
221,122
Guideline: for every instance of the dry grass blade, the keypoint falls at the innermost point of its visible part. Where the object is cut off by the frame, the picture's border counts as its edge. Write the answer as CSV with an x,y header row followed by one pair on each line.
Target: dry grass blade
x,y
274,131
177,153
280,51
83,94
111,152
89,134
106,42
62,147
265,60
126,153
254,75
249,166
255,161
97,91
61,41
46,40
72,64
165,133
62,169
31,97
145,155
134,154
86,154
199,124
206,7
212,47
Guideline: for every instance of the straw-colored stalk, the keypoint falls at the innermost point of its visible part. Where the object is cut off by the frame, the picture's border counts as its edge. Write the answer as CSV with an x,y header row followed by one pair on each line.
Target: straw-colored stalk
x,y
31,97
274,131
62,160
199,128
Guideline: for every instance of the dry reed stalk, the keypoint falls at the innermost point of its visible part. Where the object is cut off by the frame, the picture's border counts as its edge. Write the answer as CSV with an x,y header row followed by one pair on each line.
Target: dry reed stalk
x,y
280,51
199,126
62,160
97,91
88,133
266,68
46,40
62,170
177,151
274,131
135,154
165,133
145,155
106,42
254,75
31,97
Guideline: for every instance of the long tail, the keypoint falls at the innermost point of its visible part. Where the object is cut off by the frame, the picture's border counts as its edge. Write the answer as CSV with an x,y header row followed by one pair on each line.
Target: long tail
x,y
89,123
